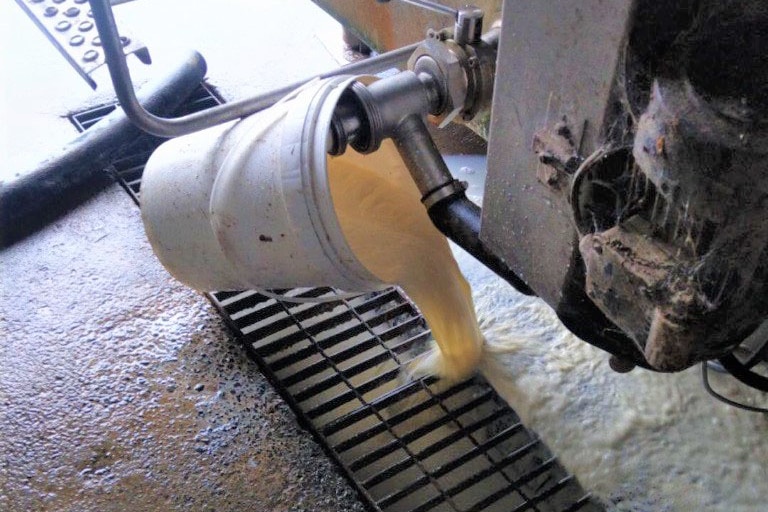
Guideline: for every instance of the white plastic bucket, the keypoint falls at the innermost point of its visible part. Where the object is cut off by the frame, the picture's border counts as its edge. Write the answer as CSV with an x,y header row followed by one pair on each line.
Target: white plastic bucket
x,y
248,204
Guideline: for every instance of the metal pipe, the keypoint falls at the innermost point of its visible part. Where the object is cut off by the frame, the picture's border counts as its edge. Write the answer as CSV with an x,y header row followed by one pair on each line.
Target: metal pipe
x,y
173,127
75,172
451,212
401,96
458,218
421,156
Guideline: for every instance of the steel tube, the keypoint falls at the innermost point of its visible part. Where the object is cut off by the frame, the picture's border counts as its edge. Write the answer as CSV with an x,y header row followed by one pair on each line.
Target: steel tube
x,y
174,127
421,156
455,216
399,97
458,218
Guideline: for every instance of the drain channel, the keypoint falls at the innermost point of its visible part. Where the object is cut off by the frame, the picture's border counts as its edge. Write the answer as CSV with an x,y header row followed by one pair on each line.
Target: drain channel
x,y
406,445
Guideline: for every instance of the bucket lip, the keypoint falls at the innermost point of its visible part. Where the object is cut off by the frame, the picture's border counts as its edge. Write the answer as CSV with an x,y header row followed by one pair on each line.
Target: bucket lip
x,y
313,163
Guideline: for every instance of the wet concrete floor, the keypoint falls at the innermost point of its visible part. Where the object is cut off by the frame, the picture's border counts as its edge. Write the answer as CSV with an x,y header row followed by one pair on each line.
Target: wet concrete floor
x,y
122,389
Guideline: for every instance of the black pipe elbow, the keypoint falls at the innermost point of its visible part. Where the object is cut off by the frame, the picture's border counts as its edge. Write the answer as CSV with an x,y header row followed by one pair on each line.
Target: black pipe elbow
x,y
458,218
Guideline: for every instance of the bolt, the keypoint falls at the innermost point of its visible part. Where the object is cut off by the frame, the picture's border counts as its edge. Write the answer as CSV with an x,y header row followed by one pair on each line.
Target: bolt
x,y
63,26
90,55
85,26
51,11
125,41
473,62
76,40
620,365
59,1
80,1
96,41
72,12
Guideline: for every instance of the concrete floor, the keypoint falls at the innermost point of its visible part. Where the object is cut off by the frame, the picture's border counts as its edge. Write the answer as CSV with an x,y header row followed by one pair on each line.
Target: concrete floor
x,y
120,388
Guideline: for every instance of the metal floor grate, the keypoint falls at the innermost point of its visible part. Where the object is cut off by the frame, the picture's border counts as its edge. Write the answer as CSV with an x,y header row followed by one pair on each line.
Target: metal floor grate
x,y
405,445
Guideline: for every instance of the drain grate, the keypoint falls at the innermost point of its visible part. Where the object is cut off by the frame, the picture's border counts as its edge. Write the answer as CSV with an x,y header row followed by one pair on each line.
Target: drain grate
x,y
405,445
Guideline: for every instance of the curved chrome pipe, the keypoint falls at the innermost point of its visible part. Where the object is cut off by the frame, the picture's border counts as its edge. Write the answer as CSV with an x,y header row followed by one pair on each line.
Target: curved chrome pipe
x,y
174,127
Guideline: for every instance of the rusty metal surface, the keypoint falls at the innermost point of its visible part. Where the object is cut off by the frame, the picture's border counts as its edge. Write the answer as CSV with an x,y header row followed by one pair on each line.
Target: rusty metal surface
x,y
396,24
556,60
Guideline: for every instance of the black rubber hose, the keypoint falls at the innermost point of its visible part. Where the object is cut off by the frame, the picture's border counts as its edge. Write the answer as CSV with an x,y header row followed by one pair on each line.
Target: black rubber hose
x,y
744,374
458,218
74,173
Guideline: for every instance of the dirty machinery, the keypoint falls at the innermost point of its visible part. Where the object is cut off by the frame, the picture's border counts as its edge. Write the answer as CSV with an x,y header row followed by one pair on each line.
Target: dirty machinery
x,y
626,162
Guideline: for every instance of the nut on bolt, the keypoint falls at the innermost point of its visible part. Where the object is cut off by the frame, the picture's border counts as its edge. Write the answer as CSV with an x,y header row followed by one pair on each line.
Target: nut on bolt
x,y
445,62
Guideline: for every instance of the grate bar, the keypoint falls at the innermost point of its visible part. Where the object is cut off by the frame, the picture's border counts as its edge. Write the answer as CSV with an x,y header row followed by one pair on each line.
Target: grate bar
x,y
397,419
434,448
544,495
226,298
254,317
244,314
304,353
338,378
363,346
352,394
482,475
514,486
417,433
458,462
242,302
325,344
273,348
363,412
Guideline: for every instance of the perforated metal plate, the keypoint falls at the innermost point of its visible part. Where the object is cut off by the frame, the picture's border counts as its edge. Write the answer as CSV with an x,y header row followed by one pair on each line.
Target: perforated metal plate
x,y
406,445
69,26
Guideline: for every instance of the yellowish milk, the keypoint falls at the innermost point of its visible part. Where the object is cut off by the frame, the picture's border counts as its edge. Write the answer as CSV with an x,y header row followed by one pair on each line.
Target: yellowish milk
x,y
388,228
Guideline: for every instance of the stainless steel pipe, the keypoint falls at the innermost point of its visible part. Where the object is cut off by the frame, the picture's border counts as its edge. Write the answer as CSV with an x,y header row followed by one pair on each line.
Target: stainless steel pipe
x,y
174,127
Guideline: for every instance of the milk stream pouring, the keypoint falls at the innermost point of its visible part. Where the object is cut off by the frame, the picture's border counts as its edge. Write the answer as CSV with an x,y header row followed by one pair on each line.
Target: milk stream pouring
x,y
388,229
